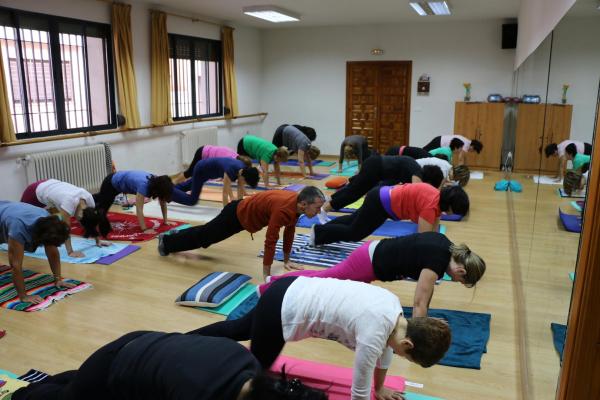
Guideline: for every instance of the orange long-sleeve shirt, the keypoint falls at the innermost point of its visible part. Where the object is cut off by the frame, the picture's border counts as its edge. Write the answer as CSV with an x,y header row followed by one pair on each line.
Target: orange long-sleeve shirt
x,y
274,209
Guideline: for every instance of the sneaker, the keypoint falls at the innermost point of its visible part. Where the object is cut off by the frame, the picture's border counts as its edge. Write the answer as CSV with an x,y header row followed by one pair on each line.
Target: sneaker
x,y
311,240
323,217
161,245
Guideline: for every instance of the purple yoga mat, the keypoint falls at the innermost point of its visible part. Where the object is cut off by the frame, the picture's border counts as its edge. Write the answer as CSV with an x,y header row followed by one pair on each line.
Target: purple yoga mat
x,y
117,256
295,188
451,217
318,177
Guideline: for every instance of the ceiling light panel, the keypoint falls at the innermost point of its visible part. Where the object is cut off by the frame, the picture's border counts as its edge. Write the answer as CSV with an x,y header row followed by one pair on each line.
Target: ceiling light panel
x,y
419,8
271,14
439,7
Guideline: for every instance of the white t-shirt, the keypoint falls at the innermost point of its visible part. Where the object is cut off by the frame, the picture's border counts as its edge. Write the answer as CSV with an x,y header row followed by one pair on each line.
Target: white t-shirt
x,y
358,315
563,145
446,139
444,165
62,195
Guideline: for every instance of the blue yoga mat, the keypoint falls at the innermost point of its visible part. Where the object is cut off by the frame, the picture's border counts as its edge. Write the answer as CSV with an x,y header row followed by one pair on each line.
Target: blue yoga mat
x,y
559,333
572,223
88,246
244,308
388,228
470,334
451,217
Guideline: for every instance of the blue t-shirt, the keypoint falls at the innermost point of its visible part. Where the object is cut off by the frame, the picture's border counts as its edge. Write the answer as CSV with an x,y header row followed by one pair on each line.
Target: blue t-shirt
x,y
131,182
17,220
214,168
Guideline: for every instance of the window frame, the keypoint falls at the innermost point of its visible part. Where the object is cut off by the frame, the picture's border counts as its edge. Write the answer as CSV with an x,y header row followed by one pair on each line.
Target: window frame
x,y
53,21
220,103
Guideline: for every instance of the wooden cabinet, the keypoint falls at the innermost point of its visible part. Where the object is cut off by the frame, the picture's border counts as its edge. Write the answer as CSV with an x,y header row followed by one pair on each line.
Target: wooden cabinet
x,y
484,122
537,126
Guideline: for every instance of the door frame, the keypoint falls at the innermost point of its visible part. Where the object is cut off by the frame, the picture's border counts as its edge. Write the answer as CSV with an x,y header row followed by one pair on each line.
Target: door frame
x,y
348,118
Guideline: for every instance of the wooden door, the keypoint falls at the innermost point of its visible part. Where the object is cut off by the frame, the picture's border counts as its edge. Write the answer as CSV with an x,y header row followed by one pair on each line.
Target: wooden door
x,y
466,119
490,132
529,137
557,128
378,102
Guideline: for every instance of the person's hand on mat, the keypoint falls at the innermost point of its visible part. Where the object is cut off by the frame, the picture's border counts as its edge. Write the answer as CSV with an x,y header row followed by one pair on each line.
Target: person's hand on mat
x,y
31,299
290,266
388,394
102,243
149,230
61,283
76,254
169,223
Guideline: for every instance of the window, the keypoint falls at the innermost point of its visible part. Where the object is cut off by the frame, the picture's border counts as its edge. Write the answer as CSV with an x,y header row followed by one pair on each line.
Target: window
x,y
195,72
58,73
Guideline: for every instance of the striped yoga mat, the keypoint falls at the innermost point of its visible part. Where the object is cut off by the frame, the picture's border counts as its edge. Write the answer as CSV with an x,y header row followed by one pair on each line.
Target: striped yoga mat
x,y
35,284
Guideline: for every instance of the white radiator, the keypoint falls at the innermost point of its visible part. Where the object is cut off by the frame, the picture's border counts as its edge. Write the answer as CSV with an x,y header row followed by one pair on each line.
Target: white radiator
x,y
192,139
85,167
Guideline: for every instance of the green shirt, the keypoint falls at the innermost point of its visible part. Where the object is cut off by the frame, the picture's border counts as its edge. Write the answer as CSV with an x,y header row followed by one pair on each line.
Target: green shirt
x,y
442,150
259,148
579,160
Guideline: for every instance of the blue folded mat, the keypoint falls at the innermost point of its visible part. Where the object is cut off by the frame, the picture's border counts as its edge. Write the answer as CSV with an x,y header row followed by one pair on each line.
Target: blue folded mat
x,y
559,333
470,334
572,223
244,308
388,228
451,217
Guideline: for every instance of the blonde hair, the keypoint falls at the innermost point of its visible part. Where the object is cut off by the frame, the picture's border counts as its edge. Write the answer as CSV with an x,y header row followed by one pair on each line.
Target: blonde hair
x,y
572,182
282,154
349,151
461,174
313,152
474,265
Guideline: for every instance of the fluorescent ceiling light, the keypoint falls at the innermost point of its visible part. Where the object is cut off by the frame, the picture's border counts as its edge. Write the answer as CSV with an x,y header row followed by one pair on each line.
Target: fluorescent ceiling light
x,y
439,7
271,14
419,9
431,7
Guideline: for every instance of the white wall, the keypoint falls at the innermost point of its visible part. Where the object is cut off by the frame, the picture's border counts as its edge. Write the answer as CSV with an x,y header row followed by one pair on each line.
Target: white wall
x,y
575,60
154,150
304,72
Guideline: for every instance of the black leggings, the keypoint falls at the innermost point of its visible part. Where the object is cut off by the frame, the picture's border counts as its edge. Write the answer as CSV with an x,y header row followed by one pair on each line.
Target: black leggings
x,y
197,157
262,325
224,225
369,176
89,382
278,136
355,226
240,149
587,149
435,143
393,151
105,198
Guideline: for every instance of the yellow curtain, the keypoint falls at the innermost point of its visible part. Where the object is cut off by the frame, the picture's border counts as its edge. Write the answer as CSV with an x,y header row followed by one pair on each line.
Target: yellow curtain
x,y
126,86
7,130
229,82
161,107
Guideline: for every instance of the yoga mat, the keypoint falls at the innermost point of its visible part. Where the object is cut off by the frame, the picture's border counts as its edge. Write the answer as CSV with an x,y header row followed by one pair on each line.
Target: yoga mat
x,y
293,162
9,385
219,183
233,302
107,260
35,284
476,175
451,217
572,276
2,334
8,374
244,307
33,376
125,227
572,223
88,246
295,188
417,396
470,334
388,228
298,175
336,381
577,194
197,213
576,206
546,180
559,333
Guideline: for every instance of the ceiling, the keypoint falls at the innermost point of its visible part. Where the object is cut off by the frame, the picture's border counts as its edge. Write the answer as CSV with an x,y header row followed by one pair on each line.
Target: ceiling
x,y
351,12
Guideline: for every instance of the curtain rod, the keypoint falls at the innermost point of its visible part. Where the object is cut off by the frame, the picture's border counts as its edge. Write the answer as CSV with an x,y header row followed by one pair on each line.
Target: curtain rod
x,y
193,19
124,130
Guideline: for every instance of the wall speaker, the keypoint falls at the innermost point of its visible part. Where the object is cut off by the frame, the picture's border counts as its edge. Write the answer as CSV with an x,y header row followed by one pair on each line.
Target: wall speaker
x,y
509,36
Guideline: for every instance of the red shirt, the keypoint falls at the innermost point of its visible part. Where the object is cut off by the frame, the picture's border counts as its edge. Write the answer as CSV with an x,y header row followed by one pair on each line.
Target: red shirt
x,y
275,209
416,200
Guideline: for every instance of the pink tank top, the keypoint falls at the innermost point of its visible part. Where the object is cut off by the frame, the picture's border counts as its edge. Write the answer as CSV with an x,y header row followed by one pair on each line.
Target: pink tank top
x,y
210,151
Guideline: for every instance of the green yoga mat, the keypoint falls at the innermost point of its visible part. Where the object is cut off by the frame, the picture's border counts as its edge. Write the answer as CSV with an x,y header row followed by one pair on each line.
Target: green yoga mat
x,y
233,302
325,164
576,206
348,169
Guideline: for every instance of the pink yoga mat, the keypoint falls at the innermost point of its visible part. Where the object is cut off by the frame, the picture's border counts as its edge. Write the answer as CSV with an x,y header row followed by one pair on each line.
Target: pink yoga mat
x,y
337,381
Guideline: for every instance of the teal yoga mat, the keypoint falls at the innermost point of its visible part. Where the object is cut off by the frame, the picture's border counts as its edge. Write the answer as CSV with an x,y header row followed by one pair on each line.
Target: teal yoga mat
x,y
348,169
233,302
417,396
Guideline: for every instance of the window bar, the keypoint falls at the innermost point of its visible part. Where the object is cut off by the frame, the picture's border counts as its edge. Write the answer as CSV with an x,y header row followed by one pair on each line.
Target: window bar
x,y
207,87
188,85
75,71
79,51
109,113
12,89
44,81
63,69
25,96
35,80
192,76
86,77
55,60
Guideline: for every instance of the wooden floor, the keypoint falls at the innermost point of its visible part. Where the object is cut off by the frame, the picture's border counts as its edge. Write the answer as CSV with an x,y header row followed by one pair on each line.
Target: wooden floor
x,y
526,287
